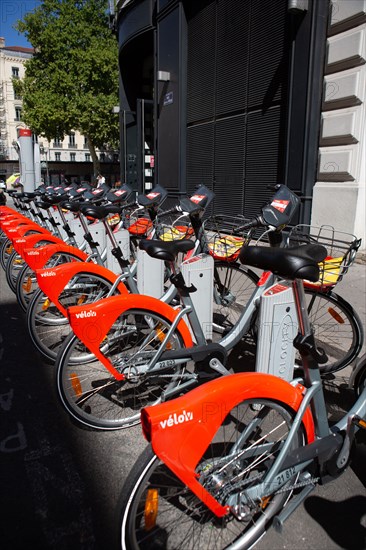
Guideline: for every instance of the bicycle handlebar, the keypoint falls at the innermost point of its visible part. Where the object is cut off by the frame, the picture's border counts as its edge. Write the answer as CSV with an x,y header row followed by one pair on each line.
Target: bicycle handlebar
x,y
255,222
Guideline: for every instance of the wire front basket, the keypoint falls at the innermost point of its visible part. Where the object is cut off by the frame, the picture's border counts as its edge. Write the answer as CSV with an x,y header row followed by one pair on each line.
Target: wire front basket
x,y
224,236
341,251
175,227
138,222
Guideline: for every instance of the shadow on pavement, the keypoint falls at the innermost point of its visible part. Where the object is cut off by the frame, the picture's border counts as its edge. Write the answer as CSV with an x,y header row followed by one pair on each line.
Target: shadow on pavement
x,y
341,520
43,499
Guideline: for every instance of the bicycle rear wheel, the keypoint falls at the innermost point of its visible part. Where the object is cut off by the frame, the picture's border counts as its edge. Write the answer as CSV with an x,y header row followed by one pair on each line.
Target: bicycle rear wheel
x,y
239,456
337,329
47,326
92,395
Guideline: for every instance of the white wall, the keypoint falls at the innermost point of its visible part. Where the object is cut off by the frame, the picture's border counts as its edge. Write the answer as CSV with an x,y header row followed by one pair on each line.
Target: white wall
x,y
339,193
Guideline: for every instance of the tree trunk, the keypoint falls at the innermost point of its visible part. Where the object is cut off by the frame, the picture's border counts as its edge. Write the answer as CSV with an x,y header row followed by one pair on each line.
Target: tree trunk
x,y
94,156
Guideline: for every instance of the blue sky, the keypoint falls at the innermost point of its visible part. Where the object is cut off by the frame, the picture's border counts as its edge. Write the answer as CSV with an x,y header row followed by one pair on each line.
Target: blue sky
x,y
10,12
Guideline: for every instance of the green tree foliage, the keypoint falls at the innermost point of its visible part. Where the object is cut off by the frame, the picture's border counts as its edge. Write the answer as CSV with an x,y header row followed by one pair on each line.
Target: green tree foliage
x,y
71,82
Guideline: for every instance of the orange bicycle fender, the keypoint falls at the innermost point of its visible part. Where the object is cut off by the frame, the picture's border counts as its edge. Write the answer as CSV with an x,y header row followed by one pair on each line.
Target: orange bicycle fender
x,y
91,323
52,281
181,430
11,220
6,211
22,230
36,258
30,241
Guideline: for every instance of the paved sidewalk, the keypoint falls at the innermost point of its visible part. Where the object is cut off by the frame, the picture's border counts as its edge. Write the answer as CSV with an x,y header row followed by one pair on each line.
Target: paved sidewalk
x,y
60,483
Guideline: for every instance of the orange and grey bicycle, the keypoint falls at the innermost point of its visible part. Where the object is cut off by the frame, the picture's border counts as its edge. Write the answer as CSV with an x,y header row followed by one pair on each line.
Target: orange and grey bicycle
x,y
238,454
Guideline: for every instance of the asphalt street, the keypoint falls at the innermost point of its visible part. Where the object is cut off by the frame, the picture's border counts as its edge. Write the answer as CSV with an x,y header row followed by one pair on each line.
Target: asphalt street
x,y
60,484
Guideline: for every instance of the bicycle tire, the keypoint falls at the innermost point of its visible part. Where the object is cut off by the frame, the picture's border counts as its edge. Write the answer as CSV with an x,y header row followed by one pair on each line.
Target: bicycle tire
x,y
183,521
337,329
26,286
47,326
5,251
92,396
14,265
233,286
358,377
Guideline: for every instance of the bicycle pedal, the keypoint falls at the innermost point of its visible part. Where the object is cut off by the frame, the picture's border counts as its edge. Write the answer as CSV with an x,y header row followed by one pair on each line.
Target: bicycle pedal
x,y
359,422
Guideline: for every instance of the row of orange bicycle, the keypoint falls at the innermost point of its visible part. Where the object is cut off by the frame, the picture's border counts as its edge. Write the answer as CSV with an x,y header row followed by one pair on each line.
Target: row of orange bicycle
x,y
136,302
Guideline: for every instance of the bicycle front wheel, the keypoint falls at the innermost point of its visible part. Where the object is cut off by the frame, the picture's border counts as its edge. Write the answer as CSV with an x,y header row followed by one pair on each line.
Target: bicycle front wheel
x,y
157,510
337,329
93,396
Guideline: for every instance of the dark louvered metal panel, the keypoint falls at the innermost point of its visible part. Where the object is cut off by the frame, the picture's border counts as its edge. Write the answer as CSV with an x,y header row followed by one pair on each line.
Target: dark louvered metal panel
x,y
236,77
229,165
200,155
268,53
232,55
201,62
263,164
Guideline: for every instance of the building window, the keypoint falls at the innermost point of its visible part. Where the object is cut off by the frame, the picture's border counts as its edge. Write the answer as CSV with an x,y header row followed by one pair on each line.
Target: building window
x,y
72,143
15,72
57,143
57,157
18,113
72,157
115,157
17,96
87,157
102,157
86,146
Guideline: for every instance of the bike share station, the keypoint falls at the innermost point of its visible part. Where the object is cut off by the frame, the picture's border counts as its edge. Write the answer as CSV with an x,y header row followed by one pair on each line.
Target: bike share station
x,y
276,327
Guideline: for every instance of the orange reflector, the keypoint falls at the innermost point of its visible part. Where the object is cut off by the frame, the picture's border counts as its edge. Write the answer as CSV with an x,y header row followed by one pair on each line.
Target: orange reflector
x,y
336,316
27,286
10,249
161,335
151,508
75,382
264,502
46,304
81,300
